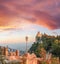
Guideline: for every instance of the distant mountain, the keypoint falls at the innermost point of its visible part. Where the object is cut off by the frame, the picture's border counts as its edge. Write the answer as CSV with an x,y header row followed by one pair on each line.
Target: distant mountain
x,y
19,46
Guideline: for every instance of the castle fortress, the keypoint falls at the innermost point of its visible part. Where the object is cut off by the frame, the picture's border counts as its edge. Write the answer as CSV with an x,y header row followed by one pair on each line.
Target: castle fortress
x,y
8,52
38,37
14,55
27,58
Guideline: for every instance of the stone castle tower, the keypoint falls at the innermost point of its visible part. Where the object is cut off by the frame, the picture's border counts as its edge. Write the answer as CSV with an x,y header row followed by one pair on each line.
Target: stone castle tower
x,y
5,51
17,52
38,37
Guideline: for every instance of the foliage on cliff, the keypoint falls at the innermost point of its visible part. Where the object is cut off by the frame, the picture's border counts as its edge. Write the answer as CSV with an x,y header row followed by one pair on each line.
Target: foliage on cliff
x,y
49,43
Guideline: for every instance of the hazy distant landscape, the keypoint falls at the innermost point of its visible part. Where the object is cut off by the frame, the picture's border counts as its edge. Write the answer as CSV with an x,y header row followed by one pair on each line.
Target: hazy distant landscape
x,y
19,46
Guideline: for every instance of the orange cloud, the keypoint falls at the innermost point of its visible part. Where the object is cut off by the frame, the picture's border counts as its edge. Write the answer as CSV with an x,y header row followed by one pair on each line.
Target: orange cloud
x,y
41,12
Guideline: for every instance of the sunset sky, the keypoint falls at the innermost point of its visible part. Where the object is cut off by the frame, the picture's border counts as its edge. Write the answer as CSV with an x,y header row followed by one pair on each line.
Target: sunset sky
x,y
19,18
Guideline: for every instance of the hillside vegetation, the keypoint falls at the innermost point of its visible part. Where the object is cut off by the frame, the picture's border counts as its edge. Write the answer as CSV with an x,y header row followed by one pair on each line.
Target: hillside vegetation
x,y
50,43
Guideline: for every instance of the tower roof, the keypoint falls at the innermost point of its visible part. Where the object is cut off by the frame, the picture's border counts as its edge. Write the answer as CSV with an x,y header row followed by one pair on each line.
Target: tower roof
x,y
38,34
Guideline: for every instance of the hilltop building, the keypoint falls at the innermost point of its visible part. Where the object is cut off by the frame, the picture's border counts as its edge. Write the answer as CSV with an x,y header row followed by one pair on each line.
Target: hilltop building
x,y
38,37
5,51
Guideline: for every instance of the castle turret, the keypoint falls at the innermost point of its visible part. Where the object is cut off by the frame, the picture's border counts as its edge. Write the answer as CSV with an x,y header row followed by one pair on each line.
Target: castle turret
x,y
5,51
38,37
17,52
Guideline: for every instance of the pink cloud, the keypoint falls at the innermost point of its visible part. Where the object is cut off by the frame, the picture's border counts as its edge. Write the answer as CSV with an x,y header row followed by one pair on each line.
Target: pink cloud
x,y
45,13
